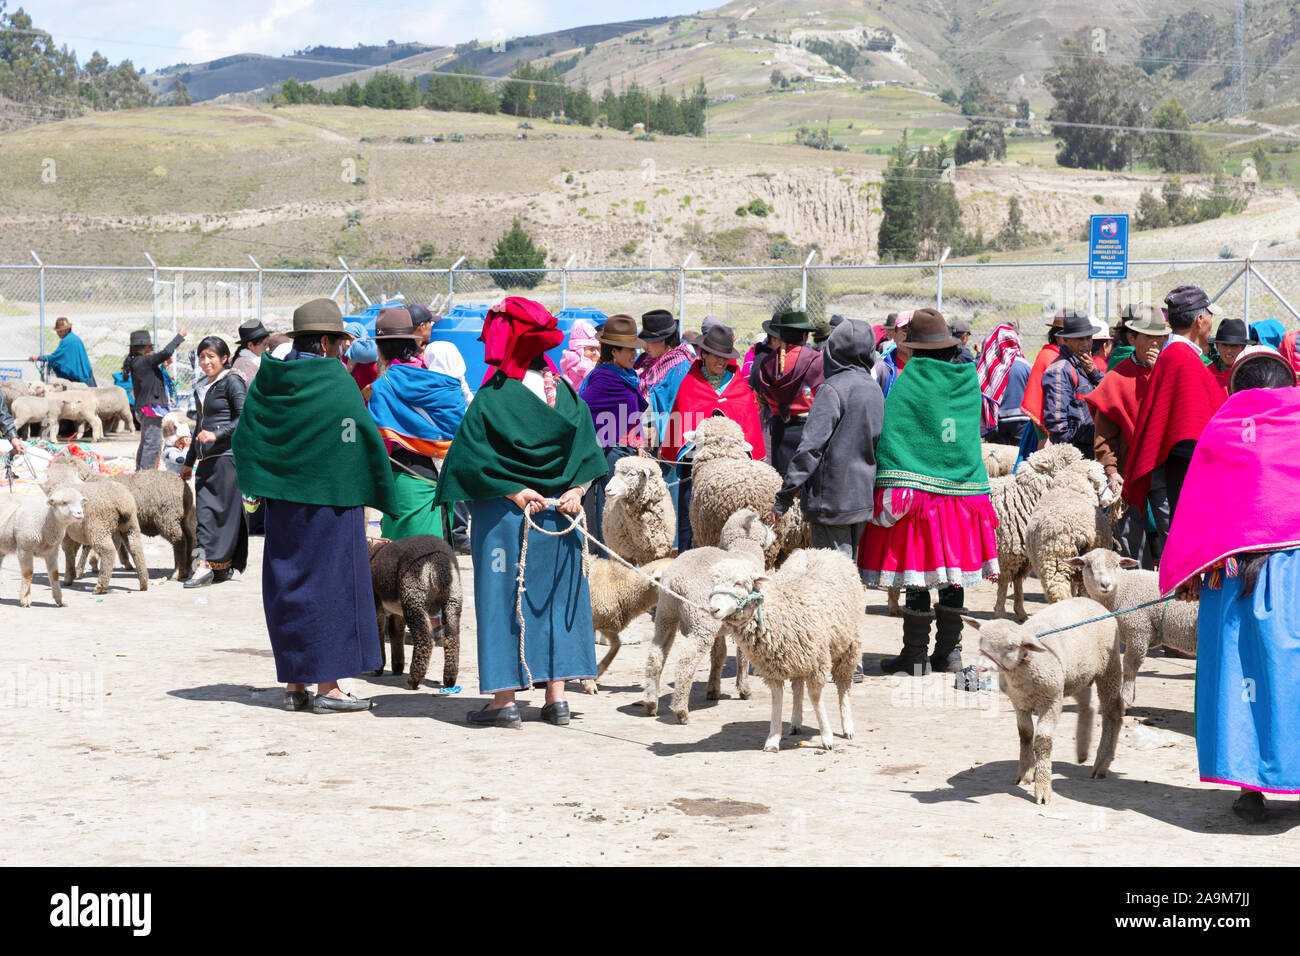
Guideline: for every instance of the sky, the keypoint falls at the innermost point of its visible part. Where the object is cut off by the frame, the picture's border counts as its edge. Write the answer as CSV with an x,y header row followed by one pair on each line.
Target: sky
x,y
154,35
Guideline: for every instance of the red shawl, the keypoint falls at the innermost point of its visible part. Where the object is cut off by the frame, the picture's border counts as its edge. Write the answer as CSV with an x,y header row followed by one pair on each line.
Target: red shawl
x,y
1249,454
1288,350
1181,396
1119,396
1033,401
697,399
1221,375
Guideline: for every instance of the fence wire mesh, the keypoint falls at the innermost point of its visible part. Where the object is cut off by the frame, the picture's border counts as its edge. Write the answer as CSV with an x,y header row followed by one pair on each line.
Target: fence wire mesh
x,y
105,304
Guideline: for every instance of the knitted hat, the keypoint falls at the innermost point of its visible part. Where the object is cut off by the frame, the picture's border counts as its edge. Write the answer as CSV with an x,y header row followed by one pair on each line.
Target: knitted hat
x,y
583,336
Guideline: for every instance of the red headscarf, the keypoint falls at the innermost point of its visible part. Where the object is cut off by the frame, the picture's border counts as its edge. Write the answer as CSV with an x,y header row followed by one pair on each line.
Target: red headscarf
x,y
515,332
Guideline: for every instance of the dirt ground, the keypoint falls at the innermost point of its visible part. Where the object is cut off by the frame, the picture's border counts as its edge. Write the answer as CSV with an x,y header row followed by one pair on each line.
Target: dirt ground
x,y
145,728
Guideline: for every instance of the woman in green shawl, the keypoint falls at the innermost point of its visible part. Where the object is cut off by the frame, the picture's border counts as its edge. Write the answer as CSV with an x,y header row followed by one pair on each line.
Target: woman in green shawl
x,y
526,441
934,525
307,447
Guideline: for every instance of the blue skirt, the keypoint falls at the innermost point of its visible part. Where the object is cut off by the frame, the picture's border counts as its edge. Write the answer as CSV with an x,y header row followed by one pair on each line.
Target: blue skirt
x,y
316,591
559,642
1248,680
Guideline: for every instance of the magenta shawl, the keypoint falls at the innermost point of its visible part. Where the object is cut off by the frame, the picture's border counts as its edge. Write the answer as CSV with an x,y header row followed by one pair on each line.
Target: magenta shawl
x,y
1241,489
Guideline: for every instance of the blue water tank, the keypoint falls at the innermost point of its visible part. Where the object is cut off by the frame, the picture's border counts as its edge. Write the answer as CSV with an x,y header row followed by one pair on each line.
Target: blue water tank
x,y
463,325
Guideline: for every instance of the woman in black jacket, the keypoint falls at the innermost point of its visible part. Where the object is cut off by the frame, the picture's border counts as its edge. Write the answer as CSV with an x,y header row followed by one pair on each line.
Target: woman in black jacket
x,y
143,366
222,533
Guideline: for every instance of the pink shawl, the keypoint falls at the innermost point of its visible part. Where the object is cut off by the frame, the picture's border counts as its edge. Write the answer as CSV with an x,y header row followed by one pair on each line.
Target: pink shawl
x,y
994,368
1239,494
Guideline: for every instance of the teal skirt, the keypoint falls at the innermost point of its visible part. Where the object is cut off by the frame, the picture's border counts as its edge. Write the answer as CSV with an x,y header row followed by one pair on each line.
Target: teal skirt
x,y
559,642
1248,679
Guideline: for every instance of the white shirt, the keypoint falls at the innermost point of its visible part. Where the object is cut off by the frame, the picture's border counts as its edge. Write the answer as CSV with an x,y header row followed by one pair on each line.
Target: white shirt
x,y
1175,337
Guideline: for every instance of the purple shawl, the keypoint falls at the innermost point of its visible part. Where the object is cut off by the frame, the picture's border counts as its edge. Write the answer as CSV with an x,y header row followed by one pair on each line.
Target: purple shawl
x,y
616,405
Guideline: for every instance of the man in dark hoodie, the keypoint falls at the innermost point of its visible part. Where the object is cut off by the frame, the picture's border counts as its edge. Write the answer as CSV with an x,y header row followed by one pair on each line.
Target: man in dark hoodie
x,y
835,463
788,379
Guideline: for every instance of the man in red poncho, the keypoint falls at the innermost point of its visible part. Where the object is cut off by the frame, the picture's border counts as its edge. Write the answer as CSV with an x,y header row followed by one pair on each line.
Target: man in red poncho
x,y
1181,396
1114,405
1033,401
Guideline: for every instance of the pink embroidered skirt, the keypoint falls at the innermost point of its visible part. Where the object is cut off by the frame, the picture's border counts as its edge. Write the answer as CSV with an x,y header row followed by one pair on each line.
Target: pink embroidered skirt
x,y
918,539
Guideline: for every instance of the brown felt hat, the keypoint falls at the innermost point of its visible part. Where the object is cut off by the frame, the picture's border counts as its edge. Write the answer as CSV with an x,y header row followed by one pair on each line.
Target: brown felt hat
x,y
620,332
318,315
62,323
720,340
928,331
394,323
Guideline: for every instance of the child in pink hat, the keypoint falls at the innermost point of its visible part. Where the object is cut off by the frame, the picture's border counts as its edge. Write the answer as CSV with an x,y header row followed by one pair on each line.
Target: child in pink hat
x,y
582,353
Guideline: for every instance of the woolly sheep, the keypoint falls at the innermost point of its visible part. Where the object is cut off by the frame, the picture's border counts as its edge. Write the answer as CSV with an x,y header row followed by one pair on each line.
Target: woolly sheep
x,y
34,528
74,405
1038,672
743,536
32,410
1107,582
109,511
113,408
1071,519
1014,498
724,480
798,625
639,523
619,595
999,460
416,579
165,508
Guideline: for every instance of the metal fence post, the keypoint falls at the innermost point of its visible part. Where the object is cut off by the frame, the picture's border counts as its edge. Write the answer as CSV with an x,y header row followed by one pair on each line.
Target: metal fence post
x,y
681,289
451,282
259,285
564,282
1092,296
1250,257
40,343
803,282
154,282
1107,301
938,277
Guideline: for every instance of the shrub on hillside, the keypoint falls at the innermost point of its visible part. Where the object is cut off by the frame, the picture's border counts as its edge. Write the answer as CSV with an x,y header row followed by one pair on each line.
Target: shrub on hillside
x,y
515,260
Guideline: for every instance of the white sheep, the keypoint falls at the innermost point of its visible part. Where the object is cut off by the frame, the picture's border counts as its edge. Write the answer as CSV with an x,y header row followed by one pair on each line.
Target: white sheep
x,y
638,523
798,625
1014,498
999,460
743,536
618,596
109,514
1109,581
1075,516
724,480
34,528
1037,671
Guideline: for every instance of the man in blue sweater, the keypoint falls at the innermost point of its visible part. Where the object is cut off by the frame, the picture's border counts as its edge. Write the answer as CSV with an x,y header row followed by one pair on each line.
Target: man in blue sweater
x,y
68,361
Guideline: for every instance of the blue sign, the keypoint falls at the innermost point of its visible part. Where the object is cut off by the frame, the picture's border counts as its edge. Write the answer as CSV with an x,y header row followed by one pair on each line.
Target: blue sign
x,y
1108,247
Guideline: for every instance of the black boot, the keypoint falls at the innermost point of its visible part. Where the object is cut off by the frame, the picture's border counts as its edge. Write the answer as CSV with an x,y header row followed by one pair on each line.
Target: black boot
x,y
916,641
947,640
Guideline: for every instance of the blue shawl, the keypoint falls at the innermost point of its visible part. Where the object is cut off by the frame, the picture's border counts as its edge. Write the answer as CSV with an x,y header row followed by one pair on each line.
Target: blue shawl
x,y
417,408
70,361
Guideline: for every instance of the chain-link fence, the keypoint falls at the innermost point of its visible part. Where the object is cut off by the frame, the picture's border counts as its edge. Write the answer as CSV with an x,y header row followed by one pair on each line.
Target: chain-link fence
x,y
105,304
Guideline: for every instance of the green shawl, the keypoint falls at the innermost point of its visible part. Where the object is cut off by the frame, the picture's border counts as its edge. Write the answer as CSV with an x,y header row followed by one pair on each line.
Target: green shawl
x,y
1118,354
931,436
305,436
510,440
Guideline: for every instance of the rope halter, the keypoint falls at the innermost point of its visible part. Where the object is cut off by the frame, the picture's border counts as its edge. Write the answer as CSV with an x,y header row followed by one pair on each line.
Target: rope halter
x,y
742,602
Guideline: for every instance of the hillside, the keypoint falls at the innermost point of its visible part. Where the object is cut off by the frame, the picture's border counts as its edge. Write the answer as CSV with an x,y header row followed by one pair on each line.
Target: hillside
x,y
208,184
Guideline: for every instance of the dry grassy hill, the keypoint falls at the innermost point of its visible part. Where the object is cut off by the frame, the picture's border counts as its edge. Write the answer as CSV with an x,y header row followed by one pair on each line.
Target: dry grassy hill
x,y
207,184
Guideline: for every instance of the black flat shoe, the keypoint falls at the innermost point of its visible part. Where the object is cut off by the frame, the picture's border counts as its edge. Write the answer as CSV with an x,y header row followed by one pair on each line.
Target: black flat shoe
x,y
201,580
1250,807
296,700
324,704
507,716
556,713
220,577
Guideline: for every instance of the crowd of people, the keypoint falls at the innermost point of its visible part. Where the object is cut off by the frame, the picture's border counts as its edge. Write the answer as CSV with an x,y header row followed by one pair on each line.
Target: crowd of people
x,y
875,429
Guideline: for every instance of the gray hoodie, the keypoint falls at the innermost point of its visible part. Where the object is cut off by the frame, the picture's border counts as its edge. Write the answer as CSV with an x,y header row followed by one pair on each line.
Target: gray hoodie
x,y
835,464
